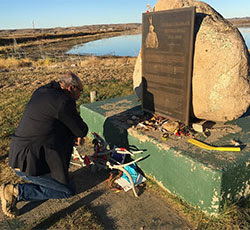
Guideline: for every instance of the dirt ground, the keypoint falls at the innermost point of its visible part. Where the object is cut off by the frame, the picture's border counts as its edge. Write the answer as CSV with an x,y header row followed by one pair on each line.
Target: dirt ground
x,y
114,210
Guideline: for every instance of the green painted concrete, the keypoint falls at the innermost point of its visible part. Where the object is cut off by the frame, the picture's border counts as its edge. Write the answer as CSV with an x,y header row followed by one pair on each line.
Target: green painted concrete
x,y
203,178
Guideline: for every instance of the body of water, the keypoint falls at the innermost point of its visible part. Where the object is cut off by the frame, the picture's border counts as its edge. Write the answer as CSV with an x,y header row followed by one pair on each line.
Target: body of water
x,y
245,31
128,45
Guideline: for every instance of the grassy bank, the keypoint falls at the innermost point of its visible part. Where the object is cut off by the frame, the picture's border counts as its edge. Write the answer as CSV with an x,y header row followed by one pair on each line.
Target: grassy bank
x,y
20,77
110,77
233,216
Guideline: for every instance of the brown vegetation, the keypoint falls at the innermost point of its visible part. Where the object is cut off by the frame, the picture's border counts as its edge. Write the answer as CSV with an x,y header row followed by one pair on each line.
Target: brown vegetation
x,y
240,22
25,35
45,60
53,43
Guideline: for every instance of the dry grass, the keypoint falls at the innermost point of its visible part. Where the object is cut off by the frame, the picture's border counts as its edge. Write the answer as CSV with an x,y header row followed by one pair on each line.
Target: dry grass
x,y
82,218
14,63
11,62
11,108
111,78
107,61
90,61
16,87
234,216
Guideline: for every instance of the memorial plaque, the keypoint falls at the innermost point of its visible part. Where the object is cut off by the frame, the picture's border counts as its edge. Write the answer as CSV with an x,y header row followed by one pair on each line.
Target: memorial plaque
x,y
167,54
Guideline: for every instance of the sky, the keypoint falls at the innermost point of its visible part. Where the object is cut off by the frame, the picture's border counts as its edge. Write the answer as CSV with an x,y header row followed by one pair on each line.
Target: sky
x,y
19,14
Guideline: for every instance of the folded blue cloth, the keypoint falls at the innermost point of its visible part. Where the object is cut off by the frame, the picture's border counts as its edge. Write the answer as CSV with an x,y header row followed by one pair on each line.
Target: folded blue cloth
x,y
131,169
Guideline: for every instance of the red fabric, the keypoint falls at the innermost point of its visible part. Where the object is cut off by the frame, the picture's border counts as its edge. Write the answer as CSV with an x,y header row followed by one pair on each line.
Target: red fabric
x,y
86,161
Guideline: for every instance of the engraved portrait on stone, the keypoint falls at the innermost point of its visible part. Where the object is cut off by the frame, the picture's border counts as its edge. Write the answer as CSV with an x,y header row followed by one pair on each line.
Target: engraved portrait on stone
x,y
152,39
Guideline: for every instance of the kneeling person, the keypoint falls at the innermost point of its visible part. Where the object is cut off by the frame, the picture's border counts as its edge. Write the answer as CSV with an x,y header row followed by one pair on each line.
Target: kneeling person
x,y
41,147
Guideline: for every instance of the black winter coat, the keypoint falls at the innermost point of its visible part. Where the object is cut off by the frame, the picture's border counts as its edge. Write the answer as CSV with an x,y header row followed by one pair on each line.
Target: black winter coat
x,y
43,141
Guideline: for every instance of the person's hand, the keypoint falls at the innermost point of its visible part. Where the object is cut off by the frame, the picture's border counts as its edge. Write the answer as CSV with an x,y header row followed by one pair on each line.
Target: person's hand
x,y
79,141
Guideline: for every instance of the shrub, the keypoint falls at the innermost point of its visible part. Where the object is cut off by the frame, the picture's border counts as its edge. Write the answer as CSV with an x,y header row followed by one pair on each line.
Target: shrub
x,y
14,63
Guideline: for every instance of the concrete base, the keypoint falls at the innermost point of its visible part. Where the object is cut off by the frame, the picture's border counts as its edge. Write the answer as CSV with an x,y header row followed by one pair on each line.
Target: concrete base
x,y
203,178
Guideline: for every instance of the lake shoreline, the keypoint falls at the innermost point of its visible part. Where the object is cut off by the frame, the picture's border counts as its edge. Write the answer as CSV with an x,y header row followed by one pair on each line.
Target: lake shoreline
x,y
36,43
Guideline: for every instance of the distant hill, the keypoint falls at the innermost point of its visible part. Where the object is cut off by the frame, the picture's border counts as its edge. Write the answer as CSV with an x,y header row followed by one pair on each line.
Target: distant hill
x,y
71,30
7,37
240,22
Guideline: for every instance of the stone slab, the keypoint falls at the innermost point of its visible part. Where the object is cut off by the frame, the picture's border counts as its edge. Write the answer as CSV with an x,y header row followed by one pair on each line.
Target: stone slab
x,y
203,178
167,54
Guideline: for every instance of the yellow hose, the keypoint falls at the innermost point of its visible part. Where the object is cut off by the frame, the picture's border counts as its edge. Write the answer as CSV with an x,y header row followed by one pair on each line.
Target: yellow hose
x,y
210,147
